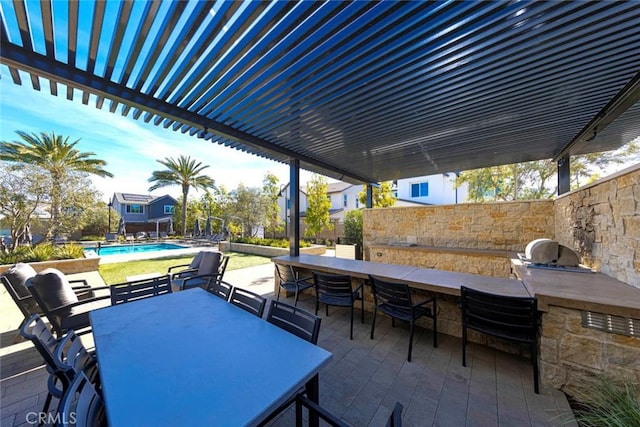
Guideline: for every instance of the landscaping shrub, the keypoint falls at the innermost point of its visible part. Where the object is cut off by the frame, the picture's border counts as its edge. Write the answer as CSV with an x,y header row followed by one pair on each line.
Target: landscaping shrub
x,y
276,243
609,403
42,252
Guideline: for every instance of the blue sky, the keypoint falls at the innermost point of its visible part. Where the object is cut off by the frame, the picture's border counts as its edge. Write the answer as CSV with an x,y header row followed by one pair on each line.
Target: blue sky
x,y
130,147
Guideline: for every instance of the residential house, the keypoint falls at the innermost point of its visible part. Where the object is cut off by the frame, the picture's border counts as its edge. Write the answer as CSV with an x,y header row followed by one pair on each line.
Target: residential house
x,y
142,211
438,189
423,190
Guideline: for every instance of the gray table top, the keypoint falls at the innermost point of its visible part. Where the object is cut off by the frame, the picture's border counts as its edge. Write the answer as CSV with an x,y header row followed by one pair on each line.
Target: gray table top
x,y
190,358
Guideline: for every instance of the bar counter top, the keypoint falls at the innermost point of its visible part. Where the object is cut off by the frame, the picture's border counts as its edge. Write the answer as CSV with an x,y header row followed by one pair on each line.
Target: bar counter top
x,y
582,291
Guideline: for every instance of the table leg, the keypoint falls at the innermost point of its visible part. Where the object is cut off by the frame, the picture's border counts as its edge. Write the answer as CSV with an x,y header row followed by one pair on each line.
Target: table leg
x,y
313,394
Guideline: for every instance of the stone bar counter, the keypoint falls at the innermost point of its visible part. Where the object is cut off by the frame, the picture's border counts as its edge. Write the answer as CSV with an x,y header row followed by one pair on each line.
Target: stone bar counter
x,y
590,322
590,325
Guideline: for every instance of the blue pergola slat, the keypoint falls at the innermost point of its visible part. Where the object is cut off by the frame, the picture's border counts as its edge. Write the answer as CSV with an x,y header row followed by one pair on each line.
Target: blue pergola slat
x,y
219,60
368,90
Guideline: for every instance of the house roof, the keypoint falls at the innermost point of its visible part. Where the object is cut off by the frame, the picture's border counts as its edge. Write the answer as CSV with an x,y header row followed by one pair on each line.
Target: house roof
x,y
360,91
138,199
337,187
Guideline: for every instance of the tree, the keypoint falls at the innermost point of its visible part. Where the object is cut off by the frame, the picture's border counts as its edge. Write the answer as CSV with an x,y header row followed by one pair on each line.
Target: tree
x,y
533,180
58,157
96,219
318,205
353,227
195,209
270,193
249,208
382,195
22,189
185,172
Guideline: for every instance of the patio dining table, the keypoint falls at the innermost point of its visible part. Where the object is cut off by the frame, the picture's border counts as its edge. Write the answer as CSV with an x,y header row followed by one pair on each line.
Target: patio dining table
x,y
190,358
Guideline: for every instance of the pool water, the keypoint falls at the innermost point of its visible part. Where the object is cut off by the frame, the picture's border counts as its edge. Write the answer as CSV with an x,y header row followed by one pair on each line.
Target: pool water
x,y
133,249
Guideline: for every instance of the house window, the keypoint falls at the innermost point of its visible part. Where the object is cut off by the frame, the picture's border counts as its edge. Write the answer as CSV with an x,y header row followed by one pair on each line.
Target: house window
x,y
168,209
357,202
288,203
135,209
344,200
420,189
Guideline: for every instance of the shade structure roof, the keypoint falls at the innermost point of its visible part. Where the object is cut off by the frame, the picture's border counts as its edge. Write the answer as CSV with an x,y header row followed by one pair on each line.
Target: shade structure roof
x,y
360,91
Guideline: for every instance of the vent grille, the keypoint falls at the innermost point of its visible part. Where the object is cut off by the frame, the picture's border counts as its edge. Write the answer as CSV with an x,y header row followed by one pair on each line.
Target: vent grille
x,y
612,324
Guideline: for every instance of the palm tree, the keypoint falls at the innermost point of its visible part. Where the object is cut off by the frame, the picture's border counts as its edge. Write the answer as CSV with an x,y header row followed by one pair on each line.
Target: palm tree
x,y
57,156
183,171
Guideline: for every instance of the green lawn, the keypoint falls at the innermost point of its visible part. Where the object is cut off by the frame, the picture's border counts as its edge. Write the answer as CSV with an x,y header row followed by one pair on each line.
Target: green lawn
x,y
116,272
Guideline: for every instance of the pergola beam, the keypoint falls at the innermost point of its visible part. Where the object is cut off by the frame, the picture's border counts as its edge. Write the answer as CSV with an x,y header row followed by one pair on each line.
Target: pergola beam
x,y
39,65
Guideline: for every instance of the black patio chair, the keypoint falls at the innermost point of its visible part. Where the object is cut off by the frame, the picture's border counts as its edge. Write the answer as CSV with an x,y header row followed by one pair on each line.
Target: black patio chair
x,y
394,420
294,320
507,317
35,330
289,280
394,300
15,282
71,356
139,289
83,404
298,322
336,290
219,288
57,300
249,301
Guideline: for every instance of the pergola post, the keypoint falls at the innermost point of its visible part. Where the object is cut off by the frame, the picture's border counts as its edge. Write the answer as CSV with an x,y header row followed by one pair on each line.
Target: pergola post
x,y
564,175
294,197
369,202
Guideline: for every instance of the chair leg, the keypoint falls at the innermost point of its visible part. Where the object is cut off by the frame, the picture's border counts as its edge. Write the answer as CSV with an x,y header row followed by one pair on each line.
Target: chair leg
x,y
373,322
534,359
351,333
295,303
278,297
362,309
464,345
298,413
435,325
317,304
411,324
326,310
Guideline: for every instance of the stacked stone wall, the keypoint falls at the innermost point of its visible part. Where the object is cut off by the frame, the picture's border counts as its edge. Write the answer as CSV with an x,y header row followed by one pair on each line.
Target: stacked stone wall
x,y
602,223
500,225
474,263
571,355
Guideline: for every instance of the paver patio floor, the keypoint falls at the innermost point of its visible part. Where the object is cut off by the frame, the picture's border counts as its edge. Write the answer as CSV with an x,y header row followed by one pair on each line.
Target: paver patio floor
x,y
364,378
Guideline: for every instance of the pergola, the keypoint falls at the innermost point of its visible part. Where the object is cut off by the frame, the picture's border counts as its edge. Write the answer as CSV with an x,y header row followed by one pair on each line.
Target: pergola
x,y
359,91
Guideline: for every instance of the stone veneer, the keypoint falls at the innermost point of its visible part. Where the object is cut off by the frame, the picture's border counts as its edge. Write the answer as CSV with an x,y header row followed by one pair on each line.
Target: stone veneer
x,y
571,354
467,238
503,225
484,262
601,222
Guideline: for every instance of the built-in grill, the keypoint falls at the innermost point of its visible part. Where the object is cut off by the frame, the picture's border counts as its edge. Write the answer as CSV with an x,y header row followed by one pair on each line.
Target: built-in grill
x,y
549,254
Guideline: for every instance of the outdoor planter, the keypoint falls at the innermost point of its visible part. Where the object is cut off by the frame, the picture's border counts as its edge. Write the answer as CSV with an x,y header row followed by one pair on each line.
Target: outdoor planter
x,y
268,251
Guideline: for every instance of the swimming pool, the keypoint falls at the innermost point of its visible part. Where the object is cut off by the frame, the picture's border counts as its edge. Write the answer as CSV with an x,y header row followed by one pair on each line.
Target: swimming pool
x,y
133,249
